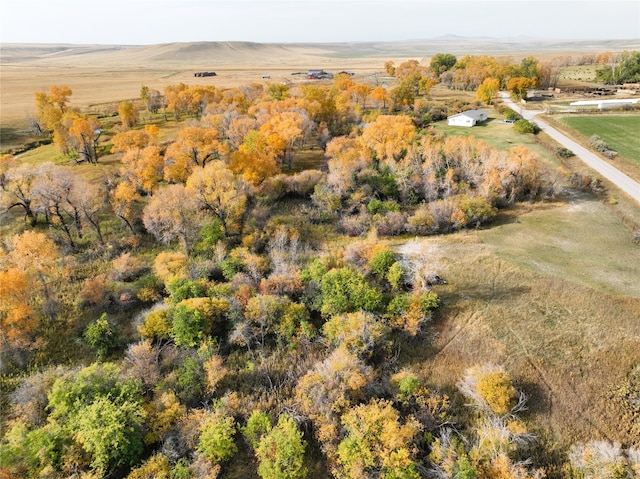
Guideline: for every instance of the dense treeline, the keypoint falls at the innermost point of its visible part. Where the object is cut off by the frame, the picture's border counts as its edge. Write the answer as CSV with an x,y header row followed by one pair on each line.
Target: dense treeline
x,y
188,310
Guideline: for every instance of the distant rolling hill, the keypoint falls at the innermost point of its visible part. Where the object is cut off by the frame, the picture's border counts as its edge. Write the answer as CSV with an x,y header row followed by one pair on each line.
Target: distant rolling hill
x,y
210,54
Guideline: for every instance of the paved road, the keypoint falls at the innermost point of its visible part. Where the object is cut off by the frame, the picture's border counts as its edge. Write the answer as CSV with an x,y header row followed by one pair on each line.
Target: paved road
x,y
615,176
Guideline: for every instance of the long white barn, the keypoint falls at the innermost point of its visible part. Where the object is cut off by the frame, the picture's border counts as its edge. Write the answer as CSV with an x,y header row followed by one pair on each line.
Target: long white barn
x,y
603,104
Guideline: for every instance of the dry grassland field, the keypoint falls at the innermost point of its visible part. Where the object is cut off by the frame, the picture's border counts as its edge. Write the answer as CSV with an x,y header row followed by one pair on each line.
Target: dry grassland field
x,y
550,290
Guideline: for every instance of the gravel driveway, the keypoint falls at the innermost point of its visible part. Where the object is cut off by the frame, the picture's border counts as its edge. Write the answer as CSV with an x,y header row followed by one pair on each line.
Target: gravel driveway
x,y
615,176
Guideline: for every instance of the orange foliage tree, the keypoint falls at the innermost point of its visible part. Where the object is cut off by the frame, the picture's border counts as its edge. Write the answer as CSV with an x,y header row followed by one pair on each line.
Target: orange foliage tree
x,y
255,160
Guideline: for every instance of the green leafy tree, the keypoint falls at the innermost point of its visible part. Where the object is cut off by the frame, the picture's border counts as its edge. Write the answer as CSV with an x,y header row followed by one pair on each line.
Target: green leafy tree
x,y
465,470
442,62
101,336
78,389
625,68
381,261
257,426
281,451
111,431
25,452
524,126
216,438
529,67
345,290
191,381
188,326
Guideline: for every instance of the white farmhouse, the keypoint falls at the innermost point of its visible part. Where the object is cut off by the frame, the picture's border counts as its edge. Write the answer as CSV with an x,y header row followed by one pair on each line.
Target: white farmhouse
x,y
467,118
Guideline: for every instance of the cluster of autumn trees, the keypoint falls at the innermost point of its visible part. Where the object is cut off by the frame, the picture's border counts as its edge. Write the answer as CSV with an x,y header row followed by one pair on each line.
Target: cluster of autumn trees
x,y
619,68
207,325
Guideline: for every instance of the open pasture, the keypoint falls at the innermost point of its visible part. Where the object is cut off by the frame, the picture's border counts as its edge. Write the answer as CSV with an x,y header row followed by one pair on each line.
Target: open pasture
x,y
620,132
556,306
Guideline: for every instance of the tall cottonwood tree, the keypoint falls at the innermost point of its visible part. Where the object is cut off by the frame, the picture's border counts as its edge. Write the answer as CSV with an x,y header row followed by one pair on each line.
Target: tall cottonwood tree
x,y
487,90
143,167
194,146
255,160
17,190
84,133
388,136
52,106
217,190
55,191
27,269
284,129
172,214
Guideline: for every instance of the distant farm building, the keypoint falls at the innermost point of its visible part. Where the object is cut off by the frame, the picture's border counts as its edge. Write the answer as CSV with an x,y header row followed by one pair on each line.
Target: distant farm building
x,y
467,118
204,74
318,74
604,104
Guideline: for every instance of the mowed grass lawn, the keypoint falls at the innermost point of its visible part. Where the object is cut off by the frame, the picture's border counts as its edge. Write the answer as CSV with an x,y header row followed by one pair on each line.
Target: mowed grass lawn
x,y
620,132
497,134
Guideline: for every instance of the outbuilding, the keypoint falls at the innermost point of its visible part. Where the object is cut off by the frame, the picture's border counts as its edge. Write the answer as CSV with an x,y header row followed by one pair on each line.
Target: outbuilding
x,y
467,118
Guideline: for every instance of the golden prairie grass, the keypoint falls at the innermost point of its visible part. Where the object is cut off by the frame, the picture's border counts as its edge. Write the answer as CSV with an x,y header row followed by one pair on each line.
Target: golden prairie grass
x,y
557,306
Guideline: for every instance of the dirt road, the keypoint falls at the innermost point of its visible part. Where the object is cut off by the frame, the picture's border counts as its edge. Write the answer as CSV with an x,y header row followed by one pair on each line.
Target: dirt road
x,y
615,176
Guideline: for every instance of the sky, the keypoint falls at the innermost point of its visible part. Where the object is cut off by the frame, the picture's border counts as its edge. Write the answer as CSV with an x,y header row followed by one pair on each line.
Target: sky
x,y
144,22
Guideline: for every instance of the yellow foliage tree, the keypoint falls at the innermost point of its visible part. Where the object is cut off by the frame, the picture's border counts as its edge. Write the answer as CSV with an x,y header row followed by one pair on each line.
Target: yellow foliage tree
x,y
388,136
487,90
254,160
17,318
218,191
125,202
143,168
129,114
377,443
133,139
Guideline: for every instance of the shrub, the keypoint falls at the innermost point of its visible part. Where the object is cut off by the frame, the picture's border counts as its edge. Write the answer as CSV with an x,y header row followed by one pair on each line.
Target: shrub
x,y
355,225
216,438
599,145
510,114
395,276
490,388
391,224
359,332
169,265
525,126
564,152
127,268
101,336
257,426
345,290
381,262
599,460
157,324
421,221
